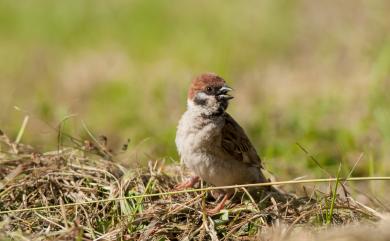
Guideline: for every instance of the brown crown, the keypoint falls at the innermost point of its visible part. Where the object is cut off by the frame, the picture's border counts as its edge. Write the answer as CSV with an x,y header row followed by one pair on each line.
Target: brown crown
x,y
202,81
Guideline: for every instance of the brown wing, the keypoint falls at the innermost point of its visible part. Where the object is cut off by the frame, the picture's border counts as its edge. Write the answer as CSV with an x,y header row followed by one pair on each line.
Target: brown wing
x,y
236,143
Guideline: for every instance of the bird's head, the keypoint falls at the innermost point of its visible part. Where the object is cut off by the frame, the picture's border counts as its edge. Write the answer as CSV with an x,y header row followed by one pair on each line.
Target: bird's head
x,y
208,94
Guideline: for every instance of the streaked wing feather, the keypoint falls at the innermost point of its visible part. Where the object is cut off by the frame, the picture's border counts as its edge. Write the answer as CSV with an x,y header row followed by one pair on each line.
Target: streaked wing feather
x,y
236,143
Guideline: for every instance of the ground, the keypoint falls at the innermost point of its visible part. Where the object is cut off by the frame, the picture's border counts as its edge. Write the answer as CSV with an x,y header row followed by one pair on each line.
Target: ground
x,y
82,193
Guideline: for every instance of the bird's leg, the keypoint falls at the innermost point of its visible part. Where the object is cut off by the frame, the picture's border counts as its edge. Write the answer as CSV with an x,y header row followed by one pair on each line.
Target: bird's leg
x,y
219,206
188,183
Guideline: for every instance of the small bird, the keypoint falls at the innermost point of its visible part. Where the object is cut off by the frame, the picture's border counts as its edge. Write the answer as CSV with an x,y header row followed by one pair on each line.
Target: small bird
x,y
211,143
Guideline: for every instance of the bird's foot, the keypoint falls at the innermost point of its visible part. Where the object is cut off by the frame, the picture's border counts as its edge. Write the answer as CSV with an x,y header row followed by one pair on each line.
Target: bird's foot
x,y
219,206
186,184
213,211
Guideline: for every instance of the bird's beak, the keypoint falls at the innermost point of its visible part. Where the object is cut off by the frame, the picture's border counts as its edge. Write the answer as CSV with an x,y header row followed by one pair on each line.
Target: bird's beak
x,y
224,89
223,93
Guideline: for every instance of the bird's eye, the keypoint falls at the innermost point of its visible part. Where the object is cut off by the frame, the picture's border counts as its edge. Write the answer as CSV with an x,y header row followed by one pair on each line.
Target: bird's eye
x,y
209,89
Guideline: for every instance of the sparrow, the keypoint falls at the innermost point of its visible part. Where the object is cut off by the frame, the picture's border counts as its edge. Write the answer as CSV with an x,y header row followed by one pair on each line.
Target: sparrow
x,y
211,143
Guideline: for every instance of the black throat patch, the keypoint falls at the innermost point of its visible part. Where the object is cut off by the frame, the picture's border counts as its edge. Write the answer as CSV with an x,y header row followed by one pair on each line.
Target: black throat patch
x,y
217,113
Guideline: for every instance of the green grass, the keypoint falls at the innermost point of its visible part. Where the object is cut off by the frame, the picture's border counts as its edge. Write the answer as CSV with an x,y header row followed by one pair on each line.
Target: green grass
x,y
329,214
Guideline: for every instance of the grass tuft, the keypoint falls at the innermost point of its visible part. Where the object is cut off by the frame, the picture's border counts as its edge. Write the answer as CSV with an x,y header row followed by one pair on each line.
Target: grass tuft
x,y
82,194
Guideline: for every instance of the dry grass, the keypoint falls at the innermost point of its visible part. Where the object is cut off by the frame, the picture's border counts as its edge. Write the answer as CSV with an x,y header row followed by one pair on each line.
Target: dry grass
x,y
87,173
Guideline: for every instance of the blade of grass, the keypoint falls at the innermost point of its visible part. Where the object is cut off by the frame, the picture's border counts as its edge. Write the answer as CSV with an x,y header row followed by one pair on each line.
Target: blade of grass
x,y
101,148
204,189
22,129
313,159
329,216
354,166
60,132
319,165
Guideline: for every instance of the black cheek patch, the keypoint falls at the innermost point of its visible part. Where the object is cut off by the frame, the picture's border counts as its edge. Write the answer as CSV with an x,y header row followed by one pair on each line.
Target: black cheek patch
x,y
200,101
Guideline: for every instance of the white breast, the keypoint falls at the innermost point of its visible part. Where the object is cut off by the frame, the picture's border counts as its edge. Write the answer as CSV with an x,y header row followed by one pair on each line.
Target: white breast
x,y
196,139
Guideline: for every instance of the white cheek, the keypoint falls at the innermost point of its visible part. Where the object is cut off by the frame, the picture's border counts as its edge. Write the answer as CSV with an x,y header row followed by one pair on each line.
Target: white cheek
x,y
211,100
202,96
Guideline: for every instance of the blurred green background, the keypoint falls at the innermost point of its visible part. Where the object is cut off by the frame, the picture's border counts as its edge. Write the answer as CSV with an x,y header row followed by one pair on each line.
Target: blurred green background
x,y
315,73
